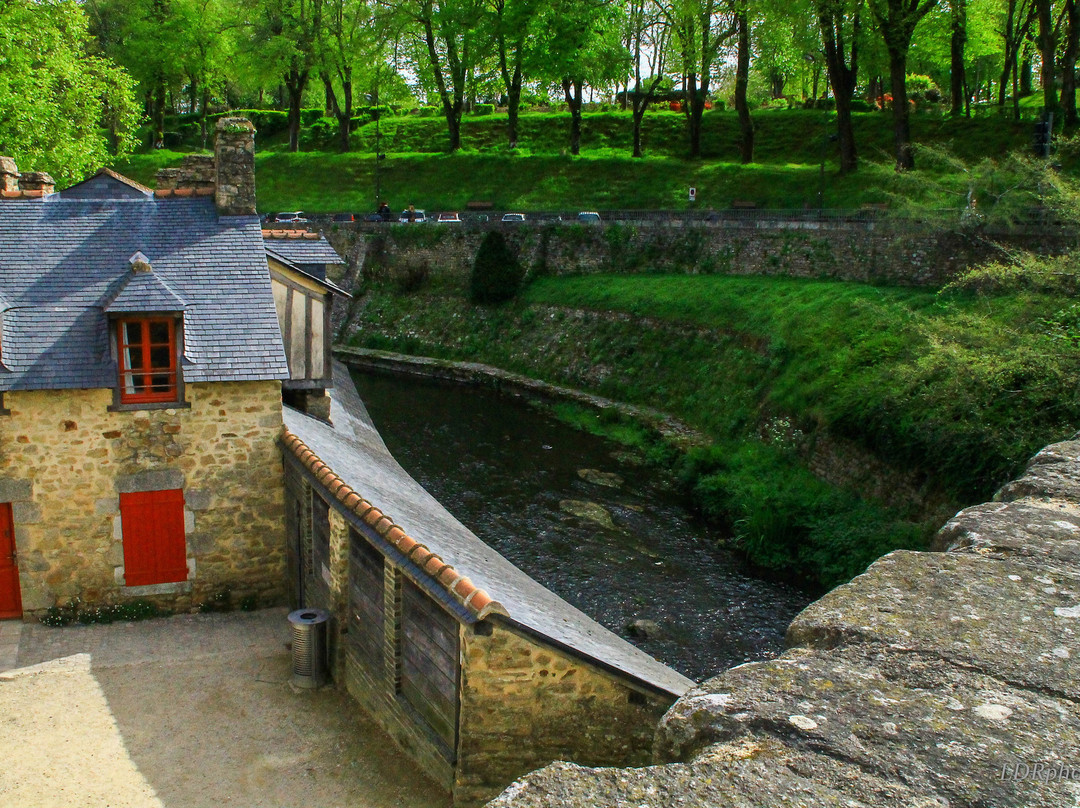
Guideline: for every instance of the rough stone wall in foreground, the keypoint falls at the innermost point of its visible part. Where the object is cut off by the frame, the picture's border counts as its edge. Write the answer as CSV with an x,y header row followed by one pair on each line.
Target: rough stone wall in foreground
x,y
947,678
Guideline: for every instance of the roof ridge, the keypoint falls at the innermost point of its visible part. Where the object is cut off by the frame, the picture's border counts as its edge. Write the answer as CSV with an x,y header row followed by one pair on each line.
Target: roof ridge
x,y
468,594
126,180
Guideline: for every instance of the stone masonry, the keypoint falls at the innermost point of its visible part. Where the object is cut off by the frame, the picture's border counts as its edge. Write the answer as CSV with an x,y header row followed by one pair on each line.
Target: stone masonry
x,y
65,459
944,679
522,701
865,251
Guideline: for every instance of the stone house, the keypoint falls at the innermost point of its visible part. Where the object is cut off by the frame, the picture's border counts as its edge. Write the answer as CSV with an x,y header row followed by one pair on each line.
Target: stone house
x,y
141,373
480,673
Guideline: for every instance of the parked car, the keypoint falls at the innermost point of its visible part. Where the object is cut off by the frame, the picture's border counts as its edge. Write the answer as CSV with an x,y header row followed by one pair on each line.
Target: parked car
x,y
589,217
513,217
418,217
373,217
344,217
449,217
293,217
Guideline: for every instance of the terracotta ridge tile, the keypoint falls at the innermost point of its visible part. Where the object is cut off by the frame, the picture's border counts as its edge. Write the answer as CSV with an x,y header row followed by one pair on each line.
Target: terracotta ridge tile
x,y
468,594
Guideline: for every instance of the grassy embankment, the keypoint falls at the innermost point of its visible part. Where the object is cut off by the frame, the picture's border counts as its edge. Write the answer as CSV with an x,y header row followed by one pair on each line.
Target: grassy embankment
x,y
958,386
541,176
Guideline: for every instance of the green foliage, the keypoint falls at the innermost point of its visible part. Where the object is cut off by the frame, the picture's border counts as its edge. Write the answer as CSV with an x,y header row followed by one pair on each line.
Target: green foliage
x,y
483,109
496,273
62,109
220,601
74,611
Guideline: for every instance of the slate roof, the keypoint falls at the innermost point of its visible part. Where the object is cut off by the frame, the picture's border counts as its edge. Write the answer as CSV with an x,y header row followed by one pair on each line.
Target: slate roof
x,y
144,292
64,259
308,248
318,277
350,460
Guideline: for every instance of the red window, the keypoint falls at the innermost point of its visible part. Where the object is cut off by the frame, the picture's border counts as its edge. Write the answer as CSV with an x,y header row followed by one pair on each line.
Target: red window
x,y
155,551
147,360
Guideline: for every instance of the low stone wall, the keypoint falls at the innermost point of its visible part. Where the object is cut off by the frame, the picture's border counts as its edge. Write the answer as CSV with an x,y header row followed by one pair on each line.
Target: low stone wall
x,y
64,460
945,679
524,701
868,251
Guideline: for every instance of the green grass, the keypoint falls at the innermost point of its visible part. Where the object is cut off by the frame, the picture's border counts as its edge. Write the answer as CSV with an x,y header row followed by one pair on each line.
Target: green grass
x,y
541,176
960,388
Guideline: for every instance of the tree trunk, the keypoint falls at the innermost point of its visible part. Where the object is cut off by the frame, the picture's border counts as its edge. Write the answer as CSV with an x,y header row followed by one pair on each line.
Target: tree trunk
x,y
1047,50
159,113
1068,63
905,160
844,79
513,103
1026,71
572,91
204,111
295,82
742,79
956,57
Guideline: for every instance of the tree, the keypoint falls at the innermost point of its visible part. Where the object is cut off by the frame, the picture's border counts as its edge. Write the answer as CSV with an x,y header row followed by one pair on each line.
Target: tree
x,y
1047,41
742,80
514,24
448,43
285,34
580,45
840,32
348,36
647,38
55,96
497,273
1068,62
700,29
1019,17
897,20
957,41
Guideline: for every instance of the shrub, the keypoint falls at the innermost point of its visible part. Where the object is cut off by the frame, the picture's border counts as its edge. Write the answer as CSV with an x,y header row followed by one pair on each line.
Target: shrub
x,y
428,112
483,109
496,273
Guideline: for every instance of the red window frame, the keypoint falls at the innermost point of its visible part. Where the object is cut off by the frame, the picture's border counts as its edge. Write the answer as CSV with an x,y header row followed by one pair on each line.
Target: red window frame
x,y
147,373
155,543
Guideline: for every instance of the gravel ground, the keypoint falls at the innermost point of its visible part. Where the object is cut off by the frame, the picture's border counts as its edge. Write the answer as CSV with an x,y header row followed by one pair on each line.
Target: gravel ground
x,y
194,711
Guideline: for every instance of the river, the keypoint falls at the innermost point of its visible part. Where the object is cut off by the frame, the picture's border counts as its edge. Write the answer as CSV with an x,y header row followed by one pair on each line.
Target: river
x,y
569,508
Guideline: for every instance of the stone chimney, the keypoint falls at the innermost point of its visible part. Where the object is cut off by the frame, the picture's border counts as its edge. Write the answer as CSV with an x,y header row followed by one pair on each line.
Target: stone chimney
x,y
36,183
196,176
9,177
234,153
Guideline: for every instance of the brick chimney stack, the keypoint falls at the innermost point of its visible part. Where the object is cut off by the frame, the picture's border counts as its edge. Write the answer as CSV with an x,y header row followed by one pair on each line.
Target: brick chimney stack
x,y
234,153
9,177
36,183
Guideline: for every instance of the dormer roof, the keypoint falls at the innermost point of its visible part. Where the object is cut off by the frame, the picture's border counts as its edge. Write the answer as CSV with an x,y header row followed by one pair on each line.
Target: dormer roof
x,y
144,292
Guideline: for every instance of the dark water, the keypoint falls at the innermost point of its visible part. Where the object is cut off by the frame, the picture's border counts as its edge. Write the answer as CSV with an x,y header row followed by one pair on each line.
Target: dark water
x,y
510,473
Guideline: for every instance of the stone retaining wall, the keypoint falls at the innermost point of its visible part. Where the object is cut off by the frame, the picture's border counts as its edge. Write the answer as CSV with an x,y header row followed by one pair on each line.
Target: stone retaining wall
x,y
947,679
872,251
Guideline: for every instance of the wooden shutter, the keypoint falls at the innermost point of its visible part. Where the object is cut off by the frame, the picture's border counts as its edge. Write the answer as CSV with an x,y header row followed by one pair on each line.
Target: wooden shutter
x,y
429,664
155,549
366,579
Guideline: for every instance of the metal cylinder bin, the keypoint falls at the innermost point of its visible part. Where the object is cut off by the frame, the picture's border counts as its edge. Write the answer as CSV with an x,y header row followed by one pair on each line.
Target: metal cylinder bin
x,y
309,647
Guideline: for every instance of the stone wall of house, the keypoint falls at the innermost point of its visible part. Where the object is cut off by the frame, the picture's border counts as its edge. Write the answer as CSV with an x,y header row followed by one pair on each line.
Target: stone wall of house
x,y
525,704
869,251
947,678
65,459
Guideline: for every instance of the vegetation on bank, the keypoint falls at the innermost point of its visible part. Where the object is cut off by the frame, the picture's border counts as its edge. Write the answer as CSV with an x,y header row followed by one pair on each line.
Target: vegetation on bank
x,y
961,385
540,176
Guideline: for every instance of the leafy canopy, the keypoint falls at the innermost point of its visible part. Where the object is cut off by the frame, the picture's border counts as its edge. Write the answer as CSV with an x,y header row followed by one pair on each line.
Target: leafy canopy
x,y
62,109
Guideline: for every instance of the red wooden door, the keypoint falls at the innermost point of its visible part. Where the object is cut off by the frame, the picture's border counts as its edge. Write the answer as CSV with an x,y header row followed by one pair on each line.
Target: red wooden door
x,y
155,551
10,597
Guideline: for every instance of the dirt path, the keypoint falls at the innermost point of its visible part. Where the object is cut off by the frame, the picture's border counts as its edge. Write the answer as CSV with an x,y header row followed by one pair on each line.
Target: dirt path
x,y
191,712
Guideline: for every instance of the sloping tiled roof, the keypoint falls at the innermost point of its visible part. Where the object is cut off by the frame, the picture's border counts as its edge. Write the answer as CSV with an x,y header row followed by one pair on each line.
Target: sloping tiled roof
x,y
107,184
355,467
303,248
145,292
62,260
318,277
